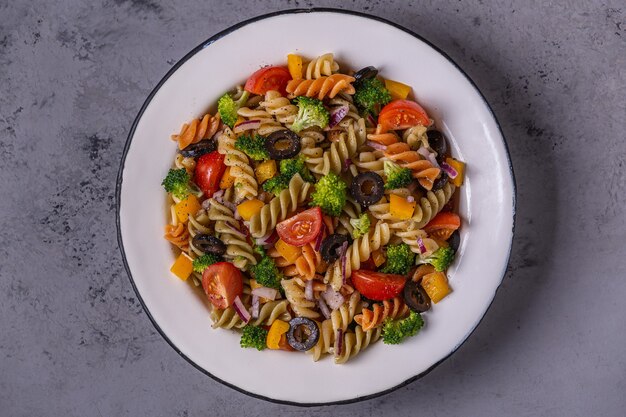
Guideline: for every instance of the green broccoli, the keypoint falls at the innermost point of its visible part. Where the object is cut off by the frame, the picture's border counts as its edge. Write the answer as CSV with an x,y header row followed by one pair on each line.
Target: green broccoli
x,y
228,107
253,337
361,226
288,168
177,182
397,176
371,95
266,272
395,331
399,259
440,259
330,194
254,147
311,112
202,262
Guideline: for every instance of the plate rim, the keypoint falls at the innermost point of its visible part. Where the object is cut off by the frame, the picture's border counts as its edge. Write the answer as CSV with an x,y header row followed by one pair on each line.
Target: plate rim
x,y
200,47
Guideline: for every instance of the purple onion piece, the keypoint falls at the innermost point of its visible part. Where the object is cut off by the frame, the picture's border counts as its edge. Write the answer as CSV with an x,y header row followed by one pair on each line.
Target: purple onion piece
x,y
320,237
376,145
308,290
265,292
333,299
346,164
421,245
241,310
337,114
452,173
247,125
339,342
344,249
255,306
323,308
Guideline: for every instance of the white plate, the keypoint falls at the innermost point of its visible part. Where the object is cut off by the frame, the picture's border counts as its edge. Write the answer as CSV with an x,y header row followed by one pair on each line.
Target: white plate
x,y
193,86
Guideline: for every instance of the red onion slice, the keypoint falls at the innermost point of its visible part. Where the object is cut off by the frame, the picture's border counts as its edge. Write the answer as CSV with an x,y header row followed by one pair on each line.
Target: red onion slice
x,y
449,170
255,306
339,342
241,310
421,245
371,120
235,230
265,292
344,249
410,199
247,125
323,308
346,164
320,237
308,290
268,240
337,115
376,145
333,299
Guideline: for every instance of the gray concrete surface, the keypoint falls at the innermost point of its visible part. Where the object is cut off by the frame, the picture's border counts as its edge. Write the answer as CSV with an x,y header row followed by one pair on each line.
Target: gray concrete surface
x,y
74,340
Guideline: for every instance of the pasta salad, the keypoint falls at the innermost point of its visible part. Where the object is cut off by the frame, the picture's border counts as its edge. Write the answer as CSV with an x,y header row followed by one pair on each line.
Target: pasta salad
x,y
315,209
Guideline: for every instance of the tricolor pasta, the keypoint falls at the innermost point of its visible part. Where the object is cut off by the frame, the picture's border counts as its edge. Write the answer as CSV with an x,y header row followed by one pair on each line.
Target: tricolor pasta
x,y
316,208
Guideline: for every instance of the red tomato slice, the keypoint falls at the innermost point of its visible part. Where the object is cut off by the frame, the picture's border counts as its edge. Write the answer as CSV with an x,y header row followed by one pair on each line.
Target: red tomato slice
x,y
376,285
268,78
402,114
301,228
222,283
208,173
444,220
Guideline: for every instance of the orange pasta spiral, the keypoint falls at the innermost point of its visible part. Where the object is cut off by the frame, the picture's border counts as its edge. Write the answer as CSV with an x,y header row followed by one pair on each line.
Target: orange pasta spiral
x,y
324,86
380,136
287,267
306,265
393,309
422,169
178,235
196,130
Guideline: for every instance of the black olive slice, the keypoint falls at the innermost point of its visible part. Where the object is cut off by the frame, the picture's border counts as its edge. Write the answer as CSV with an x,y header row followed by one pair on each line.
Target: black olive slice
x,y
283,144
209,244
365,73
331,247
437,142
440,182
415,297
455,240
309,331
198,149
367,188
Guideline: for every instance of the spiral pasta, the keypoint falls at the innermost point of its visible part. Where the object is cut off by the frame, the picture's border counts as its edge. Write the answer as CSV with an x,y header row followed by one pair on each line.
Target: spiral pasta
x,y
280,107
177,235
245,180
353,343
422,169
229,230
343,316
321,66
268,313
379,312
279,207
325,342
321,87
299,304
196,130
416,137
334,159
268,125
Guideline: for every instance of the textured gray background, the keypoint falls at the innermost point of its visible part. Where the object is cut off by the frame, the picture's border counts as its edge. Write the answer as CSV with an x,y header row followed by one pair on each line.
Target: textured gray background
x,y
74,340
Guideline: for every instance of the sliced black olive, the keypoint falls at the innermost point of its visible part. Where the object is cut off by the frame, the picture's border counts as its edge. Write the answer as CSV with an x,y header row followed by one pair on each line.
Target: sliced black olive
x,y
198,149
310,332
209,244
331,247
455,240
283,144
367,188
415,297
365,73
437,143
440,182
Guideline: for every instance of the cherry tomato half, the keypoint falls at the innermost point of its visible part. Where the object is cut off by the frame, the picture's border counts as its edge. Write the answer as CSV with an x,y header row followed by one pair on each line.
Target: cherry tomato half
x,y
402,114
268,78
222,283
378,286
208,173
301,228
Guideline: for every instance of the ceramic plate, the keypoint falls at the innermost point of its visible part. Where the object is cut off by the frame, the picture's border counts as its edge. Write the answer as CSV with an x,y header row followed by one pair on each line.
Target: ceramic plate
x,y
487,203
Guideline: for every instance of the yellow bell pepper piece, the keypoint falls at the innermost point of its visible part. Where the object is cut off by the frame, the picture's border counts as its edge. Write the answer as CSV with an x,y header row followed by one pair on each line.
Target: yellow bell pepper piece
x,y
249,208
184,208
294,63
379,257
460,169
265,171
182,267
400,208
397,89
227,180
436,286
290,253
277,329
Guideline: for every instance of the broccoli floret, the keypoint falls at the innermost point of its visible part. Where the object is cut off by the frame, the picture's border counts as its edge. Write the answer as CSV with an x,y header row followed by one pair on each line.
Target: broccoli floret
x,y
395,331
371,95
288,168
254,147
253,337
330,194
311,112
440,259
228,107
177,183
399,259
361,226
397,176
266,272
202,262
297,165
